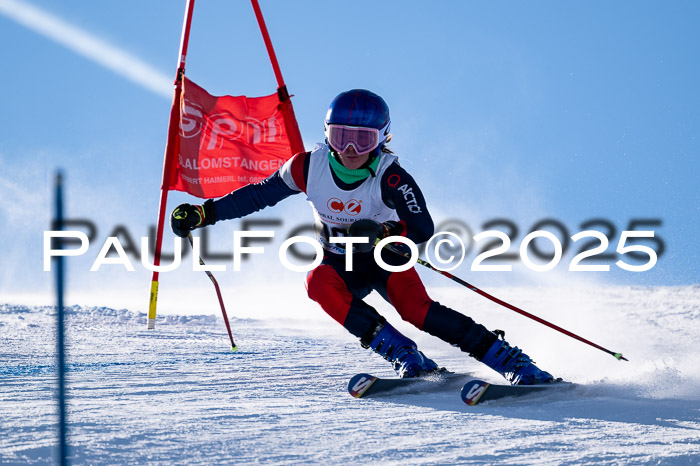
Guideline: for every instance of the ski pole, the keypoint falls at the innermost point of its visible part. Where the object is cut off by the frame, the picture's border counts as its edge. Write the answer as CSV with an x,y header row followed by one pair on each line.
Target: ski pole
x,y
234,347
427,264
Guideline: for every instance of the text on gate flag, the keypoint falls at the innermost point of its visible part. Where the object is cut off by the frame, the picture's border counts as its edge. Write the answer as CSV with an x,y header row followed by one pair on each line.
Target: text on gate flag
x,y
226,142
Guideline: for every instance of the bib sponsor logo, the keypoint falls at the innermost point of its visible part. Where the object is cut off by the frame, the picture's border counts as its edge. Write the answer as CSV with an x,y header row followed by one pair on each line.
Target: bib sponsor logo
x,y
352,207
335,205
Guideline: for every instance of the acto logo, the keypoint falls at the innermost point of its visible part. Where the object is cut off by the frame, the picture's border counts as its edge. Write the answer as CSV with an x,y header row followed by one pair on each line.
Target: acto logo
x,y
352,207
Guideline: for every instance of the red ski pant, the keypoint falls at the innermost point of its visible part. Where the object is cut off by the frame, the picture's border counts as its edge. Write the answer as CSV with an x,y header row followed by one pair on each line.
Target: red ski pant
x,y
341,294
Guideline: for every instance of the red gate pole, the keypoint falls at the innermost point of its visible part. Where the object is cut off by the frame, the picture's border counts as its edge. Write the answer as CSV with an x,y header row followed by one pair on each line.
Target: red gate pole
x,y
290,121
169,159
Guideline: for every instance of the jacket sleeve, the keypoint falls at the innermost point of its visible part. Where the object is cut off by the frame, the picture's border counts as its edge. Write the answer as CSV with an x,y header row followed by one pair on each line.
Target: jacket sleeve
x,y
254,197
401,193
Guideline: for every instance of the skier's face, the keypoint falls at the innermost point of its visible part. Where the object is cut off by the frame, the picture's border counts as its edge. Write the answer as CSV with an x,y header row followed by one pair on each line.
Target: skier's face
x,y
350,159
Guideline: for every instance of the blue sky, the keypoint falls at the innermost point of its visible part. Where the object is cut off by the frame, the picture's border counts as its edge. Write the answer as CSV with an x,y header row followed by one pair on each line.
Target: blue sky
x,y
563,110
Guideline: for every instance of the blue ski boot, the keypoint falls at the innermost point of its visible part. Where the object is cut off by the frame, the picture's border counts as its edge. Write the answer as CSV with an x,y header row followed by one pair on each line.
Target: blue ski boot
x,y
401,352
513,364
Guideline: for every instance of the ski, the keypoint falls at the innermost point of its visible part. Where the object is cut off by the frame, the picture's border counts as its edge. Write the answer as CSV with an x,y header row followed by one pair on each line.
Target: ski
x,y
368,385
473,391
476,391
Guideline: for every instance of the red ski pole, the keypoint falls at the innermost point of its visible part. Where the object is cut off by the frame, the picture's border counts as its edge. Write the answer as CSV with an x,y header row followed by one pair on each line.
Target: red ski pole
x,y
234,347
617,356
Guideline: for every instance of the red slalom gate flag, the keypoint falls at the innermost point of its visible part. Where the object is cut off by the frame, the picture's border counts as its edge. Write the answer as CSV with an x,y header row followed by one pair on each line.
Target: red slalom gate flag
x,y
226,142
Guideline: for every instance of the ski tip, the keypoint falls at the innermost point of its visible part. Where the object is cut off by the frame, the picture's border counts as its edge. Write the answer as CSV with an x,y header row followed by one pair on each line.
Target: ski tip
x,y
360,383
620,357
472,391
234,348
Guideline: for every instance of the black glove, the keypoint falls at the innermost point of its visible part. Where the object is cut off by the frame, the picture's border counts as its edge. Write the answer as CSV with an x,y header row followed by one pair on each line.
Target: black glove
x,y
373,231
187,217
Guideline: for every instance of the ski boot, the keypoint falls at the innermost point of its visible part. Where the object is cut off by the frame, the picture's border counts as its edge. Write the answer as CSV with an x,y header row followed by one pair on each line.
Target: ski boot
x,y
513,364
401,352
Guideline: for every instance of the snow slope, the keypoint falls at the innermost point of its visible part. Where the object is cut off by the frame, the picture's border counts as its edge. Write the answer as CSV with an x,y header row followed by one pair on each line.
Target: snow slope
x,y
179,395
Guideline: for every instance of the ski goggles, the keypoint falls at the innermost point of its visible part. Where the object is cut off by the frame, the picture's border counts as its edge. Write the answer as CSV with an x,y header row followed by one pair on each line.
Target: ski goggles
x,y
363,140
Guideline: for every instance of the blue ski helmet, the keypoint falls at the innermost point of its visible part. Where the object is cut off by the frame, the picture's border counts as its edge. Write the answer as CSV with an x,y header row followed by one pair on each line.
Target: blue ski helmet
x,y
360,107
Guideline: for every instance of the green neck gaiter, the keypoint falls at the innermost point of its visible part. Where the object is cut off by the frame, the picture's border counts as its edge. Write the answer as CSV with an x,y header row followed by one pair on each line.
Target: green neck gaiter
x,y
349,176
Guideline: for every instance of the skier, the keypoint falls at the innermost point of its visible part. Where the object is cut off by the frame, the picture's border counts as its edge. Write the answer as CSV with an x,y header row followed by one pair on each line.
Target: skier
x,y
357,188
